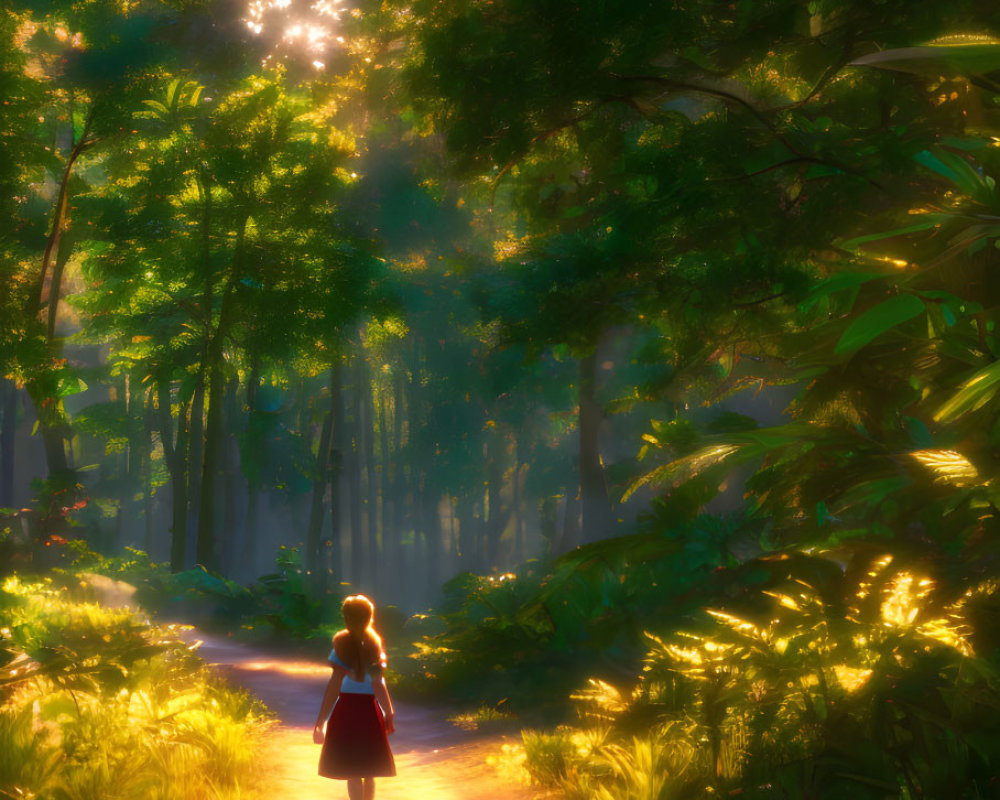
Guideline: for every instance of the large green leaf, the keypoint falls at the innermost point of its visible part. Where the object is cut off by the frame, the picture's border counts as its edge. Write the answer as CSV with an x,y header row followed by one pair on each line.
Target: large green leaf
x,y
876,321
957,170
935,60
926,224
837,283
973,394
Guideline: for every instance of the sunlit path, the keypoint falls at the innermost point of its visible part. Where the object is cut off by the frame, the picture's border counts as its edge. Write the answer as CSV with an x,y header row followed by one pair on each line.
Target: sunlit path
x,y
433,758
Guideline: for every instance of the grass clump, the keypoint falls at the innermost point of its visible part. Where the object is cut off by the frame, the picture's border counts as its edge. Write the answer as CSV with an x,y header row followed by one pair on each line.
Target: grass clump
x,y
96,704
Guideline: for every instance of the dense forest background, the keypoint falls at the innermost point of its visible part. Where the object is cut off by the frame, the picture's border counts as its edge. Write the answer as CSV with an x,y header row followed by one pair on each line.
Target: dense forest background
x,y
570,320
256,300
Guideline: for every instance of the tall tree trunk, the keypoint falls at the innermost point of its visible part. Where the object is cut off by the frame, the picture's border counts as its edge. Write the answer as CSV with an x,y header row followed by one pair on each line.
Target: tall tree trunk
x,y
248,559
571,521
175,451
517,509
43,390
44,394
205,551
195,454
498,513
354,475
314,553
399,483
431,518
387,566
595,507
548,527
207,523
229,471
339,442
135,409
372,565
8,430
147,470
196,457
466,512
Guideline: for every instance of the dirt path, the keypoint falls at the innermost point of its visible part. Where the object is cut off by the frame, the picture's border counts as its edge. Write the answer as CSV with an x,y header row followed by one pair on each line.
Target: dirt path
x,y
434,759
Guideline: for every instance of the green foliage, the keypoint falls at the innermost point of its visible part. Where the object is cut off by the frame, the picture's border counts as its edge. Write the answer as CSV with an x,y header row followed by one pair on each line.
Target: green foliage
x,y
523,638
829,683
277,604
96,703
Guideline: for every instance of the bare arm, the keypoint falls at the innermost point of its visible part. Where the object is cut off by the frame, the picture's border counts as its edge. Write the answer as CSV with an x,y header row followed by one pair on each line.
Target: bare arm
x,y
329,698
382,695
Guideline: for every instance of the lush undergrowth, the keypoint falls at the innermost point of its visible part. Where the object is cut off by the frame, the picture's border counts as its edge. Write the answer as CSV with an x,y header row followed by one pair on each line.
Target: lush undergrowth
x,y
691,673
522,641
869,681
96,704
276,604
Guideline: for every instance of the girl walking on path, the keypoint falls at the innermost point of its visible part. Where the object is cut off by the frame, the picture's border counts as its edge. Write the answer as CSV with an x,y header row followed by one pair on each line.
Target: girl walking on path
x,y
356,744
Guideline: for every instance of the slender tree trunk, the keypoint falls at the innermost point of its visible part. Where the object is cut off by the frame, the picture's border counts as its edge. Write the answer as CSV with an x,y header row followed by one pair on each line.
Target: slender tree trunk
x,y
431,518
135,404
387,566
453,543
206,548
229,470
207,523
518,510
147,470
339,442
595,507
571,521
548,527
354,475
8,430
314,554
63,251
465,510
196,456
248,559
196,449
498,513
174,451
60,222
372,560
43,390
399,487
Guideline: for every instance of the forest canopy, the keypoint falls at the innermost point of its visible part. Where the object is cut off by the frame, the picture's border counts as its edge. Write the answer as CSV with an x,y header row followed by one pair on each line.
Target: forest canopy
x,y
569,319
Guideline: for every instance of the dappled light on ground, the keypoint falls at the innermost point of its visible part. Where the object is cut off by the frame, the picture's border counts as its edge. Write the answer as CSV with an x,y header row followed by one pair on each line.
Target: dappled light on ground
x,y
435,760
290,668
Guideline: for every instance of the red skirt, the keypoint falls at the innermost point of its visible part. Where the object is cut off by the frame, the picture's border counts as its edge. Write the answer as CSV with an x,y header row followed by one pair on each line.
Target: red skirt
x,y
356,744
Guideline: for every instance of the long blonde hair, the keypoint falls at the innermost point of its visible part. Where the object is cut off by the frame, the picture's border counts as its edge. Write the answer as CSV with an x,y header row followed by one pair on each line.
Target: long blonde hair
x,y
359,645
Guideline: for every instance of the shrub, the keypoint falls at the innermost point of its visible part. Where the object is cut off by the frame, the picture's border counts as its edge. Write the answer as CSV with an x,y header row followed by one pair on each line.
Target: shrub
x,y
861,683
99,704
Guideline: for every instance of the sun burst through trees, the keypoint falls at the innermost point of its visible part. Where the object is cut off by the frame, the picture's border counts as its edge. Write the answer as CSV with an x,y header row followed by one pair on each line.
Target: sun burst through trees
x,y
297,28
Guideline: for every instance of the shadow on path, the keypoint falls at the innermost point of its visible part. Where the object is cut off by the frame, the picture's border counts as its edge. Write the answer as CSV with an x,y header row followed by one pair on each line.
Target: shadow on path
x,y
434,759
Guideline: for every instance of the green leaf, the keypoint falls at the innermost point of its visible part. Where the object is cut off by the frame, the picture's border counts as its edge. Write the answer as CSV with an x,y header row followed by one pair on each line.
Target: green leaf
x,y
876,321
958,171
933,163
173,93
158,107
927,224
195,95
70,385
973,393
837,283
935,60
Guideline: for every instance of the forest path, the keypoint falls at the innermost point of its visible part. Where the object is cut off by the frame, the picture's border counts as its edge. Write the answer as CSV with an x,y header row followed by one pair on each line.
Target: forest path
x,y
434,759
